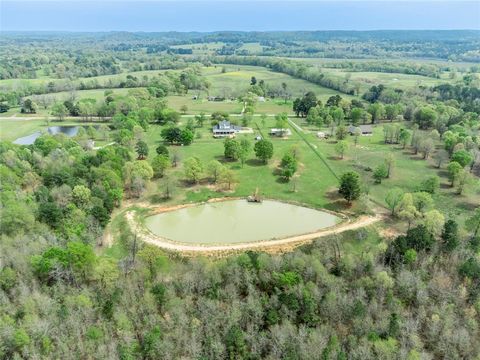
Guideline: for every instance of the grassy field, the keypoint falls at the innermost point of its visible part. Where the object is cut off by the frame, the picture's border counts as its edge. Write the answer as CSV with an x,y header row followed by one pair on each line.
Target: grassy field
x,y
394,80
231,83
315,184
102,79
310,185
235,82
410,170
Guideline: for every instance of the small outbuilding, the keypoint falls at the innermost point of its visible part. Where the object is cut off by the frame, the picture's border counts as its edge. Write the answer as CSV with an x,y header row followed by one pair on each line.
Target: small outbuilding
x,y
365,130
215,98
280,132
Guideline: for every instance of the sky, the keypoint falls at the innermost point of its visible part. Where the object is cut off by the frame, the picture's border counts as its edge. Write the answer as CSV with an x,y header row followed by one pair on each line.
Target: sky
x,y
245,15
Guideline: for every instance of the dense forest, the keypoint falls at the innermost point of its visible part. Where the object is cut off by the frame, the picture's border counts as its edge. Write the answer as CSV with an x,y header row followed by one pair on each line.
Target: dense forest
x,y
27,56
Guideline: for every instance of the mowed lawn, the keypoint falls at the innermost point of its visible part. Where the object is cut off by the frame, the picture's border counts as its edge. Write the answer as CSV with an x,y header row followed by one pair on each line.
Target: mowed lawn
x,y
409,171
313,182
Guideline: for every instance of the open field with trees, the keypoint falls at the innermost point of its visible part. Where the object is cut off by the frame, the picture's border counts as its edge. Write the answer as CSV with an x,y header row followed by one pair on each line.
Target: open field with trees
x,y
359,135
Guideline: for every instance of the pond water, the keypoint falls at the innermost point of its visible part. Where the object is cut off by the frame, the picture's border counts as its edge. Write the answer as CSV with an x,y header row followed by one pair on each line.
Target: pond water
x,y
52,130
238,221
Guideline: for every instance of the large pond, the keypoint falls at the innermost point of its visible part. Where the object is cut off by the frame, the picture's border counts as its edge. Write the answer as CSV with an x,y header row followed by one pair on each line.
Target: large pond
x,y
238,221
52,130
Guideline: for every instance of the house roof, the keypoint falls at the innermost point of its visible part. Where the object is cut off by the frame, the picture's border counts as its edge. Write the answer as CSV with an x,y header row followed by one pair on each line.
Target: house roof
x,y
225,125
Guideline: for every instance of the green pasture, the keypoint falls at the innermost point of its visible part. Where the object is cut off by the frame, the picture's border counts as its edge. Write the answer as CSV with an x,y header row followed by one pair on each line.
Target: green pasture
x,y
409,171
229,84
445,63
394,80
315,184
314,180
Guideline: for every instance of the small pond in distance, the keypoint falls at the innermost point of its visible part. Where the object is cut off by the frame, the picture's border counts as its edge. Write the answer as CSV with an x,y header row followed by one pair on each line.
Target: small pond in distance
x,y
52,130
238,221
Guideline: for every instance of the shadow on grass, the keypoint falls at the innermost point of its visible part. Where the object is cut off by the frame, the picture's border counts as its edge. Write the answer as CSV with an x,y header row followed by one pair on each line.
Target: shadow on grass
x,y
337,205
445,186
222,159
255,162
281,180
443,173
158,199
468,206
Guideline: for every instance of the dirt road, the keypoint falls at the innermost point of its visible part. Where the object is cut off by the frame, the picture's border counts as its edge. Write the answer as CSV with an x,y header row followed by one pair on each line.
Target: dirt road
x,y
268,245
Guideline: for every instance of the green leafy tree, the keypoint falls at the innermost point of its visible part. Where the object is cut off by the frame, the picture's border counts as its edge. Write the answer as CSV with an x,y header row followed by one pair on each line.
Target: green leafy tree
x,y
244,151
389,164
162,150
301,106
393,199
59,111
228,177
377,111
160,163
470,269
434,222
430,184
231,149
214,170
142,149
29,106
426,146
425,117
186,136
153,259
288,166
81,195
453,169
341,132
341,148
463,157
407,210
193,169
450,239
472,224
281,121
235,343
172,134
350,186
380,173
463,178
356,115
136,174
263,150
404,137
422,201
200,119
8,279
159,292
